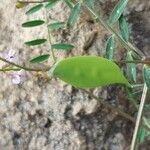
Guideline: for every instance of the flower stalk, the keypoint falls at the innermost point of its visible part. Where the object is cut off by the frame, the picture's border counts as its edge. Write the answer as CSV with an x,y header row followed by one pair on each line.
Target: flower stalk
x,y
21,67
139,118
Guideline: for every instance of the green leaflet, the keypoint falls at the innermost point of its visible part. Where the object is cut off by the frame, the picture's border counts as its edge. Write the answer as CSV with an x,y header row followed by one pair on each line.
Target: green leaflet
x,y
89,3
40,58
146,75
141,135
117,11
88,72
33,23
74,15
147,107
56,25
51,3
131,67
35,42
123,26
69,3
34,9
62,46
110,45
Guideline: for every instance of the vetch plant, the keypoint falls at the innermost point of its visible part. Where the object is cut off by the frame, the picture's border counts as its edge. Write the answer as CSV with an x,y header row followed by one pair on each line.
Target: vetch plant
x,y
86,72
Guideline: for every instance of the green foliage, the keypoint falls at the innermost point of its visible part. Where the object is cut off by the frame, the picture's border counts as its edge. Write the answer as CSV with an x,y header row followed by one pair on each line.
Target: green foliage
x,y
110,45
62,46
123,26
141,135
56,25
89,3
39,59
146,74
32,23
147,107
131,68
34,9
89,72
51,3
117,11
35,42
75,11
69,3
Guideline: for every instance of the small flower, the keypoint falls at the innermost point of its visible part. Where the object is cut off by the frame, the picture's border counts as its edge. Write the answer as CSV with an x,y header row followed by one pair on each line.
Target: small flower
x,y
10,55
18,77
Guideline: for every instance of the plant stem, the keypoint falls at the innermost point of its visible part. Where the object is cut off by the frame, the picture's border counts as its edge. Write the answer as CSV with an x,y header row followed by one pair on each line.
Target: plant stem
x,y
50,39
114,109
125,44
145,121
23,67
47,68
134,61
27,2
139,117
10,69
117,110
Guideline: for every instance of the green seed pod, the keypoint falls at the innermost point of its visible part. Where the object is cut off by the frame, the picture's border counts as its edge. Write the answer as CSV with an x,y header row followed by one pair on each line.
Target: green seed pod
x,y
88,72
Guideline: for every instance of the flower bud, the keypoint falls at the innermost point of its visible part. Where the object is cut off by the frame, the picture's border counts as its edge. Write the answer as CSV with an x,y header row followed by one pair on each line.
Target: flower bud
x,y
20,4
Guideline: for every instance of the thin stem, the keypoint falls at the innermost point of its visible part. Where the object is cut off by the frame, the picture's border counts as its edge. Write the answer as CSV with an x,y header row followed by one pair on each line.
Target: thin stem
x,y
24,67
28,2
10,69
145,121
139,117
47,68
50,39
114,109
134,61
125,44
117,110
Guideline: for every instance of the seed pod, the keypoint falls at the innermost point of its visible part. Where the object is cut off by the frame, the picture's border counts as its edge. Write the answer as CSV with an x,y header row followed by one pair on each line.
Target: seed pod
x,y
88,72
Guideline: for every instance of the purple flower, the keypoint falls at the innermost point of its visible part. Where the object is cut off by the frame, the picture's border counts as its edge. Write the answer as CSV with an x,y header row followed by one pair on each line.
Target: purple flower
x,y
18,77
10,55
